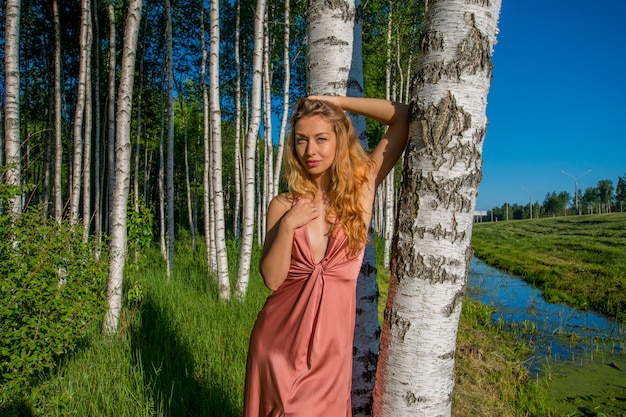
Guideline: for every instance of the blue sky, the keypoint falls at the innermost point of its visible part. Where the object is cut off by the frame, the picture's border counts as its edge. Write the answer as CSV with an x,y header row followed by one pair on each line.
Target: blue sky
x,y
557,100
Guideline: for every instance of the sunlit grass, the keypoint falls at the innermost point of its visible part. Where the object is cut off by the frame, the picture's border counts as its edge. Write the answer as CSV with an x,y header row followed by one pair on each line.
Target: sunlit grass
x,y
580,260
181,352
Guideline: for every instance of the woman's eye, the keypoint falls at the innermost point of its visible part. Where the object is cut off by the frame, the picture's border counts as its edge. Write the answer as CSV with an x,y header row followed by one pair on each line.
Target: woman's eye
x,y
300,140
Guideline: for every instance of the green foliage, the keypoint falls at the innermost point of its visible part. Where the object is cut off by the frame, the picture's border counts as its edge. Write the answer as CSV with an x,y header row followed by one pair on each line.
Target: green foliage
x,y
140,225
52,289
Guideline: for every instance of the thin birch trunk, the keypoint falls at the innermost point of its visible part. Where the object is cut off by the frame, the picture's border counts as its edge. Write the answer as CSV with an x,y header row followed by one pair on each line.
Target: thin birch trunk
x,y
118,245
216,140
77,170
12,143
268,153
161,176
111,116
441,174
88,132
286,89
209,226
251,139
58,144
170,139
237,164
187,182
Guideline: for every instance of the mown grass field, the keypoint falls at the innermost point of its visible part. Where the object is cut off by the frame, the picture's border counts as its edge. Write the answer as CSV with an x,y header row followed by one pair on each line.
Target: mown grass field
x,y
580,260
181,351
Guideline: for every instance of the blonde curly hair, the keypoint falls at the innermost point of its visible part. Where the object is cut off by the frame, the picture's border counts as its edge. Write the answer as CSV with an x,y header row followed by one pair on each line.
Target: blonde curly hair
x,y
348,172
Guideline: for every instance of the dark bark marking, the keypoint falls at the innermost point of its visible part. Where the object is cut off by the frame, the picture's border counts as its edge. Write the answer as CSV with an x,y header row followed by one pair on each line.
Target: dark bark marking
x,y
456,301
394,319
411,398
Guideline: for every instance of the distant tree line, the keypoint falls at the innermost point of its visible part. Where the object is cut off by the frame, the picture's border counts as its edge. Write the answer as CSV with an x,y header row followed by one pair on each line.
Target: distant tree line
x,y
603,198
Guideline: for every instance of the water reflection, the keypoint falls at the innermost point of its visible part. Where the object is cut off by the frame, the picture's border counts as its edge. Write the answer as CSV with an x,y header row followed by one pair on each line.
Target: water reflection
x,y
556,330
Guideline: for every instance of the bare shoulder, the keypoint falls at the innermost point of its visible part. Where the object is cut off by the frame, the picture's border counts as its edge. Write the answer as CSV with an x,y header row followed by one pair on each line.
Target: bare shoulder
x,y
281,203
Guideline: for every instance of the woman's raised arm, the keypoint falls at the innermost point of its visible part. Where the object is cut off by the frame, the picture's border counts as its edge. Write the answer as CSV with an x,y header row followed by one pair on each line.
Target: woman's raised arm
x,y
394,115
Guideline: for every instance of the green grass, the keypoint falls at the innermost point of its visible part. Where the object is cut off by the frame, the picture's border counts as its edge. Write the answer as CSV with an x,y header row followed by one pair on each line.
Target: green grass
x,y
181,352
580,260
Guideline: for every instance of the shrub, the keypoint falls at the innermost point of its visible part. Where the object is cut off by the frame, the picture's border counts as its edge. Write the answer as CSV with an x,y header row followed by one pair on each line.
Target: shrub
x,y
52,288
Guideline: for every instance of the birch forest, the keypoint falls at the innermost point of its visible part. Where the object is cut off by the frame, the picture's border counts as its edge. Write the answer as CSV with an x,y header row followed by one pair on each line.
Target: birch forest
x,y
138,125
191,116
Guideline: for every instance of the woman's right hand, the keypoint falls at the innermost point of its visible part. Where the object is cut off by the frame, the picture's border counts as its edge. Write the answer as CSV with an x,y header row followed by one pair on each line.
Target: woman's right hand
x,y
301,213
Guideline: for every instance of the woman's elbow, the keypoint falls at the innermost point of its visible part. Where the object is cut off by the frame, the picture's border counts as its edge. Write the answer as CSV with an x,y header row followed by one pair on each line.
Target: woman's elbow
x,y
272,280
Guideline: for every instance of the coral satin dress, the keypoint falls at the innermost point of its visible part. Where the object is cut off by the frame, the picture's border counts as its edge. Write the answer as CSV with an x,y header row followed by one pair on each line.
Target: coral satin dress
x,y
300,353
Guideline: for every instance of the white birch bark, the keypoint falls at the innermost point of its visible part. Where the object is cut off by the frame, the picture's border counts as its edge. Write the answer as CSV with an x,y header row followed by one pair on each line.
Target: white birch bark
x,y
286,83
238,163
111,115
79,115
170,139
161,177
247,233
388,183
441,174
268,151
58,145
12,141
118,244
183,120
216,140
335,66
87,134
206,135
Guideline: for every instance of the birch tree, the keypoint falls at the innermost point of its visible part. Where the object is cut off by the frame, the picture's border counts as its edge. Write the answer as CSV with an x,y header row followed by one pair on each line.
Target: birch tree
x,y
206,134
12,141
79,114
118,244
216,141
286,82
432,245
335,66
87,133
170,139
111,114
247,232
58,145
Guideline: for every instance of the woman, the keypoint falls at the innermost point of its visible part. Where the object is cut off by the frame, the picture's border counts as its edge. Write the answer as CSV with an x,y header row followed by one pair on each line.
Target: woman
x,y
300,354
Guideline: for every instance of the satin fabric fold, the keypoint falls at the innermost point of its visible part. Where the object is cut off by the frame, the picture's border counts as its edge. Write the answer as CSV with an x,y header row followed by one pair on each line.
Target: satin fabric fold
x,y
300,353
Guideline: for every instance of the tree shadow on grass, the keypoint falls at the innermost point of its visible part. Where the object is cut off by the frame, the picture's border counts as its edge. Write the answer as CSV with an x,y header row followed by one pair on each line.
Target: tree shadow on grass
x,y
168,368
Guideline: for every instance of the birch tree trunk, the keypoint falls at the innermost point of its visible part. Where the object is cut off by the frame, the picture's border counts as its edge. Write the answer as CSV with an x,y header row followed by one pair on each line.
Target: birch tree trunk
x,y
58,144
111,116
237,164
268,150
286,83
12,141
335,66
77,171
441,174
118,245
216,141
388,183
170,139
183,120
247,233
206,175
87,134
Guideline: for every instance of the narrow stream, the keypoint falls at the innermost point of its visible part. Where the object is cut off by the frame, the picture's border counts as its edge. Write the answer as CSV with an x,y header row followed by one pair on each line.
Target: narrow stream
x,y
557,331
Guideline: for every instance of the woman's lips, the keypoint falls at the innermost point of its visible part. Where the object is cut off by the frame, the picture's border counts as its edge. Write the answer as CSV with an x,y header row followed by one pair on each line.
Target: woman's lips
x,y
312,163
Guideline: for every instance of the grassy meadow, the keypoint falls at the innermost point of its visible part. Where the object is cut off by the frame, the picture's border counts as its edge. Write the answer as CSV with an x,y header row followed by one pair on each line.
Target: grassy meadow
x,y
181,352
579,260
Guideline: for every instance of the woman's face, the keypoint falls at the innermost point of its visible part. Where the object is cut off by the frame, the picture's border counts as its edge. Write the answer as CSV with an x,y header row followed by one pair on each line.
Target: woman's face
x,y
315,144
